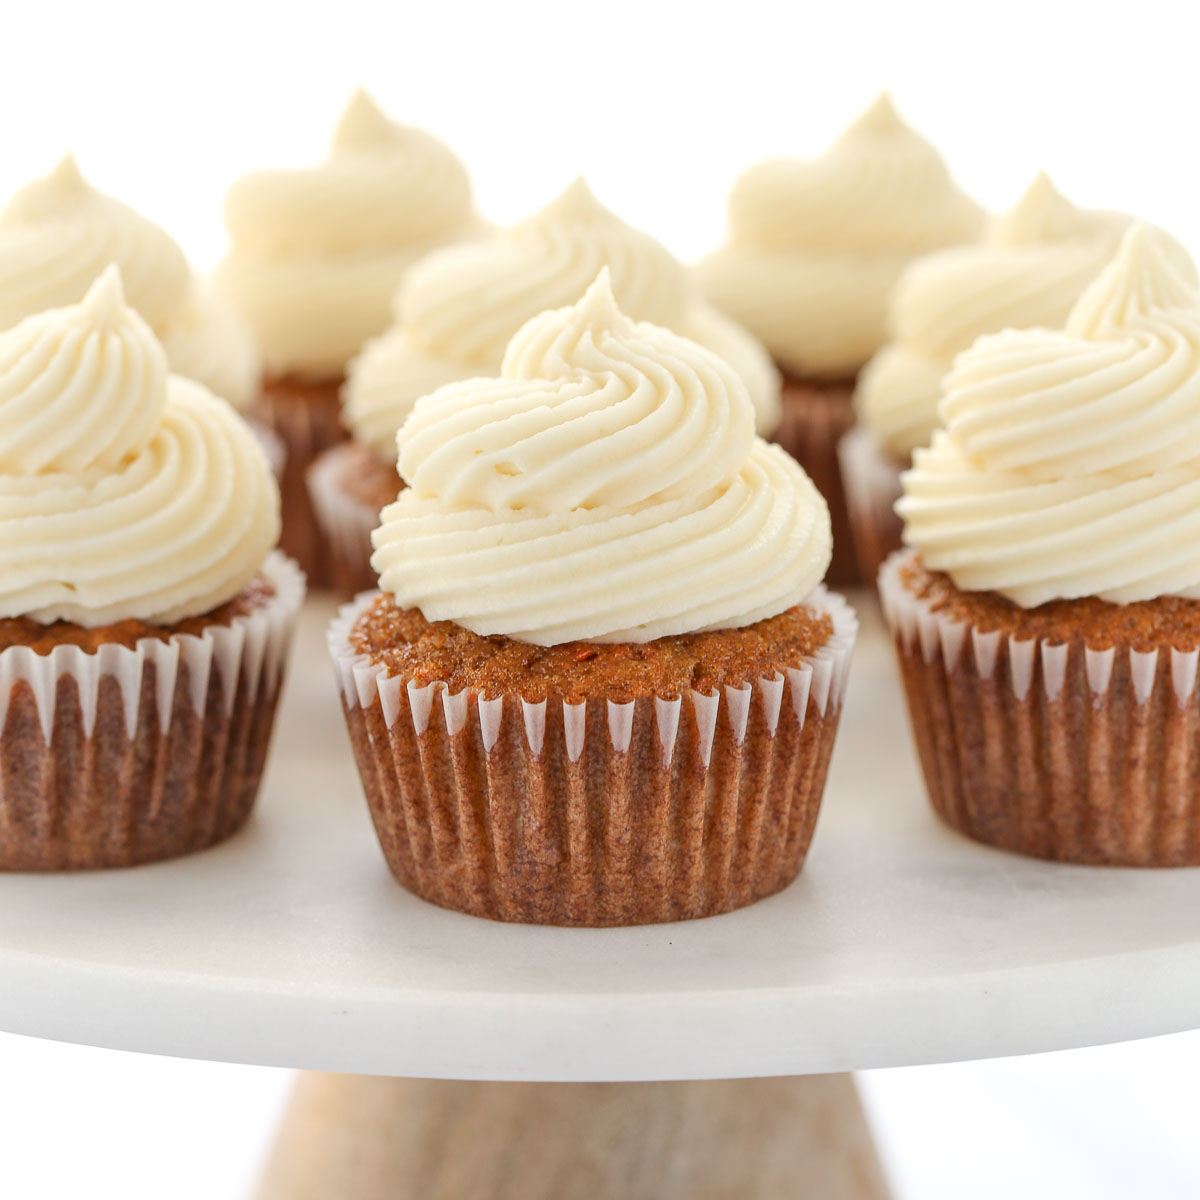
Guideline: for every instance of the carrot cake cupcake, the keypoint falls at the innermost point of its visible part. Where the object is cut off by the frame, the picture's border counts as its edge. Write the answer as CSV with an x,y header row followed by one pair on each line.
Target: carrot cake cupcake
x,y
143,618
601,682
814,250
1047,617
1031,267
456,312
315,256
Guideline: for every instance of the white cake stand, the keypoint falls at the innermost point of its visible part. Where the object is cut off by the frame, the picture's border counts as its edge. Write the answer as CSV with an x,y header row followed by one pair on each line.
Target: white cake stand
x,y
291,946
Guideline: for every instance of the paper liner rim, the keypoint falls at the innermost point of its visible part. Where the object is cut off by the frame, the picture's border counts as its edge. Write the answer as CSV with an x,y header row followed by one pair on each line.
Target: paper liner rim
x,y
916,623
819,678
259,637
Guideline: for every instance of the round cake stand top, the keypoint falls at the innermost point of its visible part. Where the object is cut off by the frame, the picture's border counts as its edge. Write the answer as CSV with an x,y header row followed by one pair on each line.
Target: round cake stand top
x,y
901,943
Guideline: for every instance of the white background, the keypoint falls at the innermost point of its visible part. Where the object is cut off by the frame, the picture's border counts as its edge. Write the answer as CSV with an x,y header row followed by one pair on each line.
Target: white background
x,y
659,105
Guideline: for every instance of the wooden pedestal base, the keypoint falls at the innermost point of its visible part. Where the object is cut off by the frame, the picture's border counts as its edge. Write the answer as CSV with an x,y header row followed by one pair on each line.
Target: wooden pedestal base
x,y
353,1137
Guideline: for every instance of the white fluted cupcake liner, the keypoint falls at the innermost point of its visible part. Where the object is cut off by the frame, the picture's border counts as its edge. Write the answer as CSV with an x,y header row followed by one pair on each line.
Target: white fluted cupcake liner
x,y
1066,751
871,480
597,813
345,522
126,755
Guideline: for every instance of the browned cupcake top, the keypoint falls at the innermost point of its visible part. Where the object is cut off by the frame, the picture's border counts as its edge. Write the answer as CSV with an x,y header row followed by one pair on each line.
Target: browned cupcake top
x,y
425,652
42,639
1146,625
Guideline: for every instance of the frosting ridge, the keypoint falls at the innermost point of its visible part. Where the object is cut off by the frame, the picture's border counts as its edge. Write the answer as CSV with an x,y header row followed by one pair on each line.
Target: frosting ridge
x,y
608,486
1031,267
58,233
1070,461
457,310
815,246
125,492
317,252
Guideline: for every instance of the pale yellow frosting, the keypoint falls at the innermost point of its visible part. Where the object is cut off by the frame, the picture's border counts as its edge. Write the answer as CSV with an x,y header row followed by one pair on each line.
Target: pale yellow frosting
x,y
58,233
1070,461
1031,267
458,310
815,246
317,253
608,486
125,492
208,341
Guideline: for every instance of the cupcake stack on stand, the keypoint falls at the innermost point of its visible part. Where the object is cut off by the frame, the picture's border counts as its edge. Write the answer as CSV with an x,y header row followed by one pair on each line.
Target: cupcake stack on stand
x,y
599,686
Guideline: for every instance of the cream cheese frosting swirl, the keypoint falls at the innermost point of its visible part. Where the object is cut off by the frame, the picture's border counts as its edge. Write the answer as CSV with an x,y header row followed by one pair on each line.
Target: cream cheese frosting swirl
x,y
608,487
125,492
58,233
1032,265
316,253
815,246
1070,461
457,310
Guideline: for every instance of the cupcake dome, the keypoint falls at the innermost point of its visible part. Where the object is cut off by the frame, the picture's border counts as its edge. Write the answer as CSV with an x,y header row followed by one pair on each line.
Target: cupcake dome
x,y
1070,461
815,246
125,492
457,311
608,486
316,253
58,233
1031,267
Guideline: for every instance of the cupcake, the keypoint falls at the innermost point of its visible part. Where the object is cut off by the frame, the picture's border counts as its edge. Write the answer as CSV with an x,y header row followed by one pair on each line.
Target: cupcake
x,y
601,681
1047,617
814,249
58,233
315,256
1030,268
143,618
456,312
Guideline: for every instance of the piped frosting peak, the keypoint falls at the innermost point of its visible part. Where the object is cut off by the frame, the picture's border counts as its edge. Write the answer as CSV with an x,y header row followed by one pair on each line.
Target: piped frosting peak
x,y
607,486
125,492
1070,461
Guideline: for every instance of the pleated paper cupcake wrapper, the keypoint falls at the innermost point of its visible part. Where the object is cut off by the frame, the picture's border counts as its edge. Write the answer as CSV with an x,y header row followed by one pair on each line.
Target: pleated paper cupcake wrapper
x,y
1056,750
814,420
131,755
345,522
307,421
872,483
597,813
